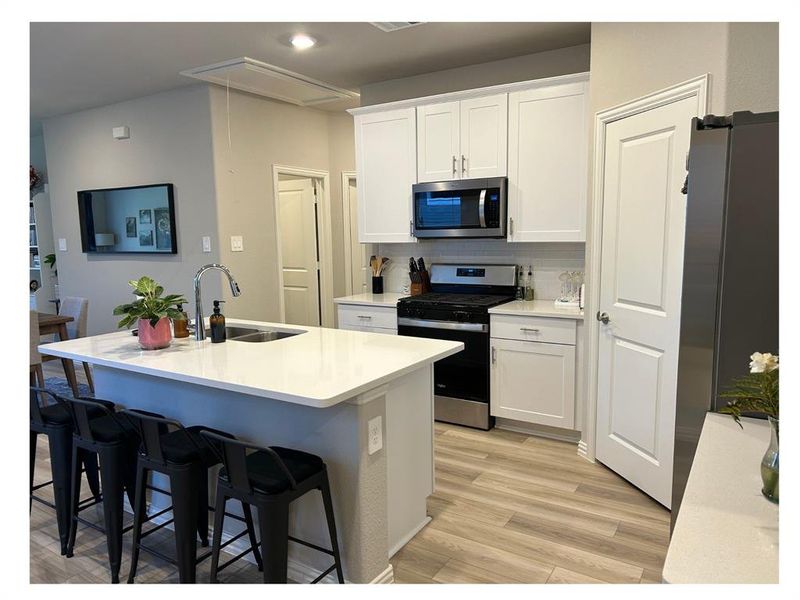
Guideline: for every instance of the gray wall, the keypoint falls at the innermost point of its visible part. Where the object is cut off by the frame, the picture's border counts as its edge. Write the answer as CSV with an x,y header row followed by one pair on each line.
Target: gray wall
x,y
170,142
342,155
574,59
752,82
37,155
264,133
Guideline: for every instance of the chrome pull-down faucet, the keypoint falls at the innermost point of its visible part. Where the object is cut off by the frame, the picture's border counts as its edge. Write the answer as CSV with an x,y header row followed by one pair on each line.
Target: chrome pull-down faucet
x,y
199,322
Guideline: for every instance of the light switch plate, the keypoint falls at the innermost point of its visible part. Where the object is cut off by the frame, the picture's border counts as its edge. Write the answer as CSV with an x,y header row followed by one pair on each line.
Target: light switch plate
x,y
375,435
62,244
206,243
237,243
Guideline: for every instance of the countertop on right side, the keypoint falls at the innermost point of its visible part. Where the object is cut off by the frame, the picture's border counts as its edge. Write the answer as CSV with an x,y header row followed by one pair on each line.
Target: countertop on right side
x,y
726,531
536,308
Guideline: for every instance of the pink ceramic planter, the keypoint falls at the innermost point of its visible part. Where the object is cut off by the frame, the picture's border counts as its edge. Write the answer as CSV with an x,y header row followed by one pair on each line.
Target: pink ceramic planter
x,y
154,338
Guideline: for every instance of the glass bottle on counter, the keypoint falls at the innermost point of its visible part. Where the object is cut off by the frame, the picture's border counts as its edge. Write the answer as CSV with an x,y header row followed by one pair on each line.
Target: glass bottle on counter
x,y
217,322
529,284
520,283
180,326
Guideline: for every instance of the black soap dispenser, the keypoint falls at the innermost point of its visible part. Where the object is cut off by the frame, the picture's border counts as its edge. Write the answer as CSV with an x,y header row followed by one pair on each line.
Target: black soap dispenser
x,y
217,321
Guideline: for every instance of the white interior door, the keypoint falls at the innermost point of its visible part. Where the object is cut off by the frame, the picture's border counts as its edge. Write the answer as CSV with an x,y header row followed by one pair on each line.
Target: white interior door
x,y
644,218
299,259
359,253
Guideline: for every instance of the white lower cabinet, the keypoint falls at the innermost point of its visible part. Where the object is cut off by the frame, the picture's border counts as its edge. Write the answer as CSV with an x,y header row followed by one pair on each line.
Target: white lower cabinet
x,y
377,319
533,382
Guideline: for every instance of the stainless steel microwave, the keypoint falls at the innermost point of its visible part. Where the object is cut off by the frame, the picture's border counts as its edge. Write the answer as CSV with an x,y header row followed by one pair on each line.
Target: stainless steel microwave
x,y
473,208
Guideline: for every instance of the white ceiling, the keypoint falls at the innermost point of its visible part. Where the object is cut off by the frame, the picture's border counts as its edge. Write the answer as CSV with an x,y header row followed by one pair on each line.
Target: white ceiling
x,y
75,66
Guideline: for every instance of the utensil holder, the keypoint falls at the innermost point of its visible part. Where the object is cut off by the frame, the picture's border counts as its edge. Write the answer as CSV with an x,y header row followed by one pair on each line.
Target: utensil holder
x,y
377,285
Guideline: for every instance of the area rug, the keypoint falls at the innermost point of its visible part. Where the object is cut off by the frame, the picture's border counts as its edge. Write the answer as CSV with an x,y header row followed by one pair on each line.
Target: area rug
x,y
60,387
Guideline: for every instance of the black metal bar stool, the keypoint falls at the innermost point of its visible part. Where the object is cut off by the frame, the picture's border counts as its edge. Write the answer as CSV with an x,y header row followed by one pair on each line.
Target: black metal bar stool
x,y
114,442
55,422
180,453
270,479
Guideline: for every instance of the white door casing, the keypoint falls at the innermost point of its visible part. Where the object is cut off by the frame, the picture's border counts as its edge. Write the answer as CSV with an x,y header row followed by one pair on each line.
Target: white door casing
x,y
438,142
356,255
484,137
299,264
643,226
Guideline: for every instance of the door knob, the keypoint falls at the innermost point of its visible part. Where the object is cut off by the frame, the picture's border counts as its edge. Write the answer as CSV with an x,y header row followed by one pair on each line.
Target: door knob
x,y
603,317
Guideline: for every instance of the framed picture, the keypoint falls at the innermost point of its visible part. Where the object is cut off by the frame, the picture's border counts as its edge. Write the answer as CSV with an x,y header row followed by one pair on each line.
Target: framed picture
x,y
145,217
146,237
130,227
163,228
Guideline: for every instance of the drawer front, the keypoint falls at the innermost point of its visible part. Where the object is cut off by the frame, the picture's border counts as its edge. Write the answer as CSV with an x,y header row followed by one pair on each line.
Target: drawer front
x,y
353,315
368,329
534,329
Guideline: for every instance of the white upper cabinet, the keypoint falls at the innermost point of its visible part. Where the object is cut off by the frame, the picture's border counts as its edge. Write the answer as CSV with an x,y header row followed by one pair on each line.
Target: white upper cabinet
x,y
533,132
547,158
484,137
438,142
463,140
386,165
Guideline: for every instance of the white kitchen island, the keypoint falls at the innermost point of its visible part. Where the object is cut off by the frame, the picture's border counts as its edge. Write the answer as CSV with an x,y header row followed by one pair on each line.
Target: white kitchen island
x,y
318,392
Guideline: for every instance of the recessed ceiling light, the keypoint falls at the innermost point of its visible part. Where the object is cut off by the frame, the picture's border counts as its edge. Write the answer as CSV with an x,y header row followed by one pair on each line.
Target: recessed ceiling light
x,y
302,41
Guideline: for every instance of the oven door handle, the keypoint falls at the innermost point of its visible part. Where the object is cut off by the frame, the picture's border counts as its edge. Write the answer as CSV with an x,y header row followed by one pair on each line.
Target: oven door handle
x,y
479,327
482,209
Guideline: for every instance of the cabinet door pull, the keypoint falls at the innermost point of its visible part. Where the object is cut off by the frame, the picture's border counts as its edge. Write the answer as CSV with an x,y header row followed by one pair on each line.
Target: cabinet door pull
x,y
367,317
511,226
455,169
411,228
463,164
529,329
494,355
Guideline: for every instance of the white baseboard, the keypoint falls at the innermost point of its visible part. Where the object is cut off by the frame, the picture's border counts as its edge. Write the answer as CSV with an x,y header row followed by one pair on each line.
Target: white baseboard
x,y
386,577
407,538
583,451
553,433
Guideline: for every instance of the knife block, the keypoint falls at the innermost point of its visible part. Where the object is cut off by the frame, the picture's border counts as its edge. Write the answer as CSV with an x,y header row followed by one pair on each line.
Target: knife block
x,y
422,285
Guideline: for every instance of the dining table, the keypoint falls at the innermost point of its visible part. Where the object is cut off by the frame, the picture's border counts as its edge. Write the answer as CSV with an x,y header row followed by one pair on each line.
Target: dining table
x,y
57,324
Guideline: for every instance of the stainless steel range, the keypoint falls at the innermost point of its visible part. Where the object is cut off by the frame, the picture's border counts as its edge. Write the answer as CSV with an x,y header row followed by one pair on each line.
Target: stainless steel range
x,y
457,308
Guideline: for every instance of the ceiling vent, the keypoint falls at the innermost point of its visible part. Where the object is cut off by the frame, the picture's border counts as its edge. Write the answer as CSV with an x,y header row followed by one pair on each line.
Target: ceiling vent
x,y
388,27
260,78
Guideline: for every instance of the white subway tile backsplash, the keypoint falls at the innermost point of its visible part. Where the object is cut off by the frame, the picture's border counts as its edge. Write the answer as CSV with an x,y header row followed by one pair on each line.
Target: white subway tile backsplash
x,y
548,260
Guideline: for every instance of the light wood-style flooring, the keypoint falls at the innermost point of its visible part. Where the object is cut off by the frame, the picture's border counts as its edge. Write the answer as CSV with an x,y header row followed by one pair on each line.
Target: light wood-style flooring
x,y
508,508
513,508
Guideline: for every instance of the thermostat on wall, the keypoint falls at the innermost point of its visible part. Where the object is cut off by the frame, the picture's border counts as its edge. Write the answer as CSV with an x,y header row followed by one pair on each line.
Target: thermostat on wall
x,y
121,133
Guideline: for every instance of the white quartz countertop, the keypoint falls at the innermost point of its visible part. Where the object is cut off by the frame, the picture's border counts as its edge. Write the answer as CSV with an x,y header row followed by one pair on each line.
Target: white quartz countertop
x,y
536,308
319,368
386,299
726,531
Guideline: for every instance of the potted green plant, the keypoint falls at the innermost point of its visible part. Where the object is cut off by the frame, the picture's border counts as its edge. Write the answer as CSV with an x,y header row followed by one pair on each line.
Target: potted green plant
x,y
757,392
152,313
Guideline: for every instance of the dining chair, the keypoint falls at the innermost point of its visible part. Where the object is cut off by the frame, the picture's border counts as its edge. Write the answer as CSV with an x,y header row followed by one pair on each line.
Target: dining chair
x,y
78,309
36,358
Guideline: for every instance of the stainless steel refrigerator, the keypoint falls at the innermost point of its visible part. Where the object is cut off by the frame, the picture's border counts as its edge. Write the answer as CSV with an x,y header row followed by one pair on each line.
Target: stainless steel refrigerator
x,y
730,274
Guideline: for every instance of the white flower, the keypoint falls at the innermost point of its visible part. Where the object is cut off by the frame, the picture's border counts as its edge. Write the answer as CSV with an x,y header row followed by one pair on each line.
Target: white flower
x,y
763,363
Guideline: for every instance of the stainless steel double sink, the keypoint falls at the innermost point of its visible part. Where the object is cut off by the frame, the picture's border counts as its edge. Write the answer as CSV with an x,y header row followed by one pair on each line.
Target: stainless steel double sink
x,y
248,334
